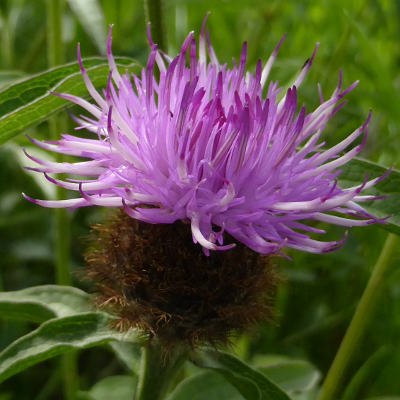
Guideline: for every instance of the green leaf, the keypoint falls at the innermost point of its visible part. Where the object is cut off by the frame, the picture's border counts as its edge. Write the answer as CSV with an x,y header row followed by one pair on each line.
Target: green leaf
x,y
129,353
121,387
29,101
355,172
4,7
26,90
207,385
384,398
9,76
367,373
250,383
54,337
40,303
293,376
26,310
90,15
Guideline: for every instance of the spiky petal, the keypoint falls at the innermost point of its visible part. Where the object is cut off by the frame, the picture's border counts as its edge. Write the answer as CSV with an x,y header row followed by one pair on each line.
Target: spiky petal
x,y
202,143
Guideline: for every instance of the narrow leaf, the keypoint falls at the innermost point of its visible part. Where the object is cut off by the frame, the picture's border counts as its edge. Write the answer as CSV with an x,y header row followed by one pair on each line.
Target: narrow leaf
x,y
384,398
29,101
129,353
90,15
28,89
6,77
40,303
206,385
121,387
251,383
55,337
355,173
293,376
367,374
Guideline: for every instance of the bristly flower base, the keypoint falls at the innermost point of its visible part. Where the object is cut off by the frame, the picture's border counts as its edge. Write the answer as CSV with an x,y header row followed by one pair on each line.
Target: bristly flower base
x,y
156,279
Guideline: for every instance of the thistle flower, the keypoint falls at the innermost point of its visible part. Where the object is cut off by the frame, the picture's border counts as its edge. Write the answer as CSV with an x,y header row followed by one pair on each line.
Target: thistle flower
x,y
203,144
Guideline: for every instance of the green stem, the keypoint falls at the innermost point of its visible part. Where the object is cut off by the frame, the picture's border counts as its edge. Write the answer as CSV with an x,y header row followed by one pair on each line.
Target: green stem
x,y
69,364
35,48
61,219
154,13
157,371
55,56
54,32
62,225
7,42
362,317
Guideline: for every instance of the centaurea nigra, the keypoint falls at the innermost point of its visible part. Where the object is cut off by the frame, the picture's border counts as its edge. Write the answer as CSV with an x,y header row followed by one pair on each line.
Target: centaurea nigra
x,y
199,147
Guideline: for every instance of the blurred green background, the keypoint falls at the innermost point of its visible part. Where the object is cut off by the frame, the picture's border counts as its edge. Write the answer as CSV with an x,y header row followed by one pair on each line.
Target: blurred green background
x,y
318,293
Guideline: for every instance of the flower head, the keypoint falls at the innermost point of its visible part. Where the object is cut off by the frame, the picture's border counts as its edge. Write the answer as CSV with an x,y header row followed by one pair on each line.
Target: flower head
x,y
203,143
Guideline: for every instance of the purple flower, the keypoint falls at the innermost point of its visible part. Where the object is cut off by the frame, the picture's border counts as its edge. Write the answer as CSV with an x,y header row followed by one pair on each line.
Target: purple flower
x,y
204,145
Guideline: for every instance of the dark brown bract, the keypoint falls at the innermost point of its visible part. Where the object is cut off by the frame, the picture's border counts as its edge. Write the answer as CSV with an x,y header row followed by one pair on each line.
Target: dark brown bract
x,y
156,279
